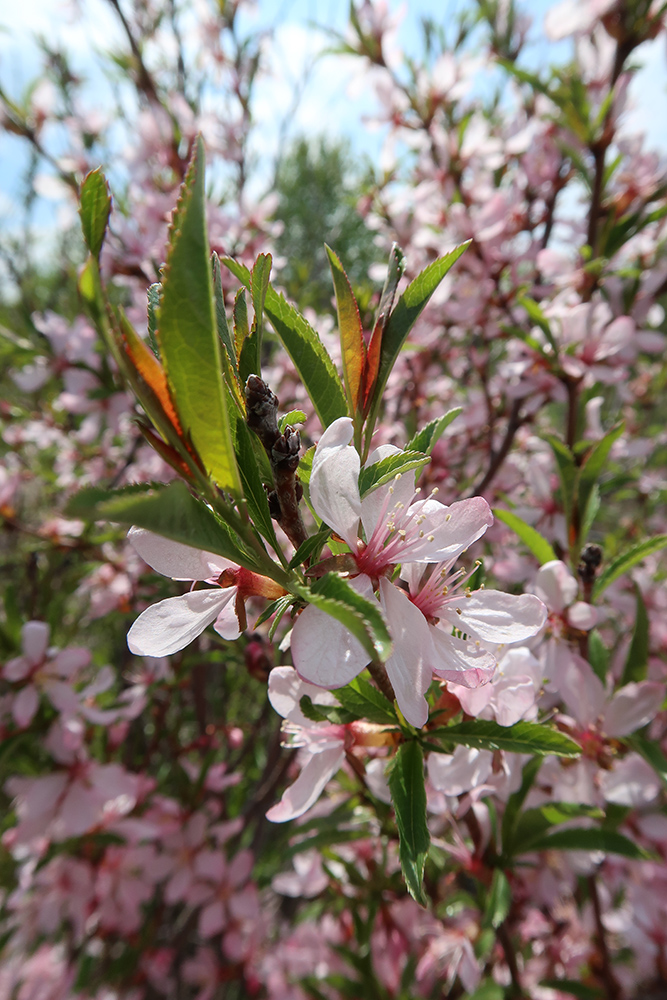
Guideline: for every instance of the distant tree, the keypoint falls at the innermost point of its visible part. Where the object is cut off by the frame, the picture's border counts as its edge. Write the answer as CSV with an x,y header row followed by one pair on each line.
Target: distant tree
x,y
320,184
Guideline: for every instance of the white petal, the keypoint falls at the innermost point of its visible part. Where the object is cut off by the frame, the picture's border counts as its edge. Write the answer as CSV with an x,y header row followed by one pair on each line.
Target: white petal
x,y
556,585
334,480
308,786
581,615
324,652
286,689
171,625
459,661
632,707
459,772
582,691
493,616
403,490
227,623
34,640
632,782
409,666
180,562
449,531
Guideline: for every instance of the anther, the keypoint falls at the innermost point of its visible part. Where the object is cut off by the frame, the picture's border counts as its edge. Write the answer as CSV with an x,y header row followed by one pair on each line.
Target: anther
x,y
448,518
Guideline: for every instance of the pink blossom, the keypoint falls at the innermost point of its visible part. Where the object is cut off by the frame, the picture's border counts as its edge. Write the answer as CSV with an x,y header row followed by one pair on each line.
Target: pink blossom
x,y
43,670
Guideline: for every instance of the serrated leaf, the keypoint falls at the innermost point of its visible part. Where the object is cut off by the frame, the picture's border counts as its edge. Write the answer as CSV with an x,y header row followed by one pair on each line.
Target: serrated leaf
x,y
222,325
253,487
533,824
405,315
361,617
94,210
153,305
537,544
426,439
636,663
516,800
259,284
590,839
353,349
172,512
626,561
314,366
384,471
187,332
499,899
366,702
395,271
408,794
522,737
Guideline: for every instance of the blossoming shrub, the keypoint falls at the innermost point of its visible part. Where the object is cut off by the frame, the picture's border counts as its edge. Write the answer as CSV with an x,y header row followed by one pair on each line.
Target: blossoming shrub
x,y
379,737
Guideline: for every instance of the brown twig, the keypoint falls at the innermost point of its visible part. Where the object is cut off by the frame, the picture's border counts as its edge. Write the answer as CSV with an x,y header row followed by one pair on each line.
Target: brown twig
x,y
612,988
379,674
497,458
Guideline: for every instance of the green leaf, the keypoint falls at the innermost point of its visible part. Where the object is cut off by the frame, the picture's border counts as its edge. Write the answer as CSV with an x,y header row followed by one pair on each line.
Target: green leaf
x,y
627,560
636,664
384,471
516,800
253,487
426,439
651,753
313,364
395,271
592,508
353,351
488,990
154,294
598,654
366,702
222,325
408,794
172,512
288,419
361,617
405,315
589,839
533,824
593,466
310,547
538,545
522,737
94,210
567,471
577,989
325,713
537,316
499,899
259,284
187,333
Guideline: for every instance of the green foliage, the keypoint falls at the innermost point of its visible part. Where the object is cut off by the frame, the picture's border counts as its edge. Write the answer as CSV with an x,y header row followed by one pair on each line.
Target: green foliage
x,y
426,439
319,185
387,469
538,545
188,334
522,737
631,557
636,664
360,616
408,794
94,209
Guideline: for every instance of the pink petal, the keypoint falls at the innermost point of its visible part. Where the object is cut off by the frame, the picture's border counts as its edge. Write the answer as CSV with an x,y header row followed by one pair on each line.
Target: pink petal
x,y
17,669
35,640
227,624
69,661
582,691
582,616
334,480
180,562
25,705
240,867
493,616
632,782
460,772
459,661
308,787
556,585
403,490
449,531
409,666
212,919
62,697
632,707
171,625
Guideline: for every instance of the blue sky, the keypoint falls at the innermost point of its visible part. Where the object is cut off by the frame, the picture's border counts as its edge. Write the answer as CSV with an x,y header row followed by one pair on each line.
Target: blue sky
x,y
326,105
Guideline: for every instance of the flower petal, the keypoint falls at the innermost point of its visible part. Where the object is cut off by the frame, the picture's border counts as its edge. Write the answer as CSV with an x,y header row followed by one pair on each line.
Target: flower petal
x,y
171,625
632,707
286,689
448,531
308,786
334,480
460,662
556,585
34,641
324,652
403,490
409,666
493,616
461,771
180,562
25,705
